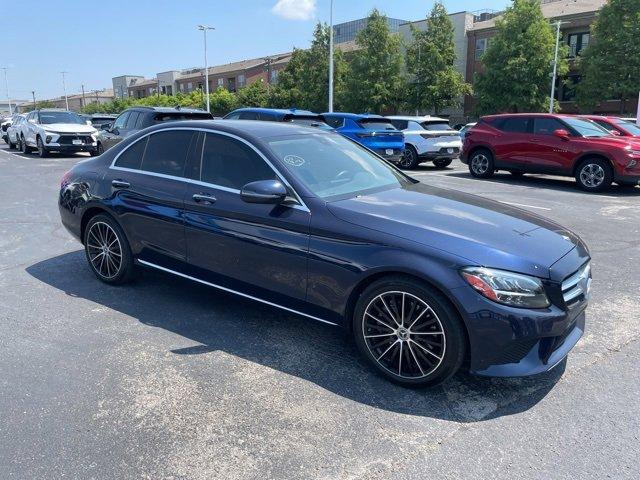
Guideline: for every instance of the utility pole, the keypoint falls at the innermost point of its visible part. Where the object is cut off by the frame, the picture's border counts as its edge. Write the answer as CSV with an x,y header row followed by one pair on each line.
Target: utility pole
x,y
331,57
6,84
268,61
33,94
64,88
84,100
555,68
204,29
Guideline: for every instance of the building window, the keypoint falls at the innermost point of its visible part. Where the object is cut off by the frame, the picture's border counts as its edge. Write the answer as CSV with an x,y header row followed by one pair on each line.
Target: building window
x,y
189,86
577,43
241,81
481,47
231,84
221,82
273,77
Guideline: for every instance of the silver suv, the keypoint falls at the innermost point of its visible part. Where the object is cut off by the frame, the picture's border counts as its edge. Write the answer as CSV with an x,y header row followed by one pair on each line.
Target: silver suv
x,y
54,130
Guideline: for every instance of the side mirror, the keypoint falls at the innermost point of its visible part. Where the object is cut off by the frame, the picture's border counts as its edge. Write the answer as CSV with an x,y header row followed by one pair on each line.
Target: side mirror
x,y
105,126
562,134
88,122
264,191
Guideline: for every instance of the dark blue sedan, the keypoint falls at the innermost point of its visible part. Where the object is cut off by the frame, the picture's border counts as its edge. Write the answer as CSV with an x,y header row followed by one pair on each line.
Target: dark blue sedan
x,y
425,279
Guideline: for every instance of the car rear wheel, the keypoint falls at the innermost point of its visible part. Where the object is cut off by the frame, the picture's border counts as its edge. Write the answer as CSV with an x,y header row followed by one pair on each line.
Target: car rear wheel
x,y
108,251
481,164
24,147
594,175
408,332
442,162
409,159
12,145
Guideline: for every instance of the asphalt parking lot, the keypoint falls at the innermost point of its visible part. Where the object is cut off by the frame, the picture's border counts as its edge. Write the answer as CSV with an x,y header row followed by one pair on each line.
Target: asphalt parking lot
x,y
170,379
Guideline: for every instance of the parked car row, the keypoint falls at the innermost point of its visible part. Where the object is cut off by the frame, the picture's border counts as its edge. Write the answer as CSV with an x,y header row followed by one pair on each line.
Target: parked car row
x,y
406,141
595,150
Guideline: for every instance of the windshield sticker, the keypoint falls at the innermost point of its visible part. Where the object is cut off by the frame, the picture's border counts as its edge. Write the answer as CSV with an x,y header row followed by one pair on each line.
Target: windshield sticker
x,y
294,160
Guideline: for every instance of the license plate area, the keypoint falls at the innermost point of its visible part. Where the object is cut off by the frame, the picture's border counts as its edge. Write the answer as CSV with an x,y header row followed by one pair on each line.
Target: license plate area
x,y
76,141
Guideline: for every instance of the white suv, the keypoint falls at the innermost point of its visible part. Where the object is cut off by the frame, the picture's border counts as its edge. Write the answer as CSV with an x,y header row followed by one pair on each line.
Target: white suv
x,y
427,139
57,131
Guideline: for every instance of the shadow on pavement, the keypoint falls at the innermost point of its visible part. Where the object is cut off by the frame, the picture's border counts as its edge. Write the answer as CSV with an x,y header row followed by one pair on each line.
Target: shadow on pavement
x,y
217,321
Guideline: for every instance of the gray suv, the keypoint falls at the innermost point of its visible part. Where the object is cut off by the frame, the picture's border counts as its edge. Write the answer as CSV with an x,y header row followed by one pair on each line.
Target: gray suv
x,y
135,119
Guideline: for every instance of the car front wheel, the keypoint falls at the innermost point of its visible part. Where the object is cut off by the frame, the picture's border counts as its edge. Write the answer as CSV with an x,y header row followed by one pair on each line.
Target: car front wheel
x,y
481,164
42,152
107,250
408,332
594,175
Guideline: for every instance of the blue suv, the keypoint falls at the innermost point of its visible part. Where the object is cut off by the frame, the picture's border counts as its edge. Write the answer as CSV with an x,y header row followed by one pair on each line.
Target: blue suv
x,y
299,117
372,131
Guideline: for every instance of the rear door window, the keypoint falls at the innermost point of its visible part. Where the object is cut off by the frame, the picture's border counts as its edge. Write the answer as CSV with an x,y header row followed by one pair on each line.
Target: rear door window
x,y
515,125
166,152
132,156
248,116
133,118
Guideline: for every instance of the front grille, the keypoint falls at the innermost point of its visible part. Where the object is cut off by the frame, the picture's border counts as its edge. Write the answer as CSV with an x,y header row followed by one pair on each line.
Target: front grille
x,y
575,286
68,139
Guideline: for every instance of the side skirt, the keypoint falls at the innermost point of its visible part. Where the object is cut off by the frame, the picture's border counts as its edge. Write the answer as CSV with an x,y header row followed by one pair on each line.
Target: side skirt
x,y
225,289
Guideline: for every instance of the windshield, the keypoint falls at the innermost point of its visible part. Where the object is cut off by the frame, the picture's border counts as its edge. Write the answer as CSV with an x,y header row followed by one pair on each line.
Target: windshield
x,y
47,118
376,125
586,128
309,122
330,165
632,128
436,126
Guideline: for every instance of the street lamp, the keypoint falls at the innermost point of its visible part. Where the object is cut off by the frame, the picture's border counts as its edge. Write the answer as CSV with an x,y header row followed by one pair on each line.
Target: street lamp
x,y
204,29
555,67
6,84
64,88
331,58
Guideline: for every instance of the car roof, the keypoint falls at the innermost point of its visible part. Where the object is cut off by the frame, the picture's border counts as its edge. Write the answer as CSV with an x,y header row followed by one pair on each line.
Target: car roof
x,y
354,116
247,129
282,111
420,118
538,115
167,109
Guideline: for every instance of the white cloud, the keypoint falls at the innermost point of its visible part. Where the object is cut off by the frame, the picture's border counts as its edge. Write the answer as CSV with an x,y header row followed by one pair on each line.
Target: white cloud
x,y
295,9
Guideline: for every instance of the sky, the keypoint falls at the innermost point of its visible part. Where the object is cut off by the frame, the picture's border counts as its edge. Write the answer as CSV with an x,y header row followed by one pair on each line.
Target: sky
x,y
95,41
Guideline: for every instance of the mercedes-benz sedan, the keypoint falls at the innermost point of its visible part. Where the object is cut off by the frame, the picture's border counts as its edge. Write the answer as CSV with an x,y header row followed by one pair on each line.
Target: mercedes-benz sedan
x,y
425,279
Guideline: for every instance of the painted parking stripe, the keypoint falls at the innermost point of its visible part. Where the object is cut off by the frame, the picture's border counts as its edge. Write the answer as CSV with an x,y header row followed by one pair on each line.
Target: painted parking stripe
x,y
525,205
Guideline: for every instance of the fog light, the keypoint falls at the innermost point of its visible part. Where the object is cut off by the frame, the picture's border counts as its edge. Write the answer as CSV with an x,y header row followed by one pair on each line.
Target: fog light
x,y
632,164
48,139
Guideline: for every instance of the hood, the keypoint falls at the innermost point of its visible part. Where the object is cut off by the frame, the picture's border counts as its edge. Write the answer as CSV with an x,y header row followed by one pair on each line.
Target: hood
x,y
484,232
612,141
69,128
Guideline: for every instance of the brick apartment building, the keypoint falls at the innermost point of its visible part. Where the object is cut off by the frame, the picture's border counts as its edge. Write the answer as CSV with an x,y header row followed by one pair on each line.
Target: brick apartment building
x,y
577,17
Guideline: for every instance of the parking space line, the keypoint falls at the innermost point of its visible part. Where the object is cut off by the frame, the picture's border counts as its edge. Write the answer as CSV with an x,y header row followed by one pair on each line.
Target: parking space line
x,y
525,205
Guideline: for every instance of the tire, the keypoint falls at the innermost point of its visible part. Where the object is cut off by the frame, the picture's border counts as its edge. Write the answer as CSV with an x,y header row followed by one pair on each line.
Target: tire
x,y
24,147
409,160
442,162
432,349
12,146
100,149
42,152
481,164
594,175
104,230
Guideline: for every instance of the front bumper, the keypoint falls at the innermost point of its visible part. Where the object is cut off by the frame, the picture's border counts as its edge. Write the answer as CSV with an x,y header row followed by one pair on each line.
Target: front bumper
x,y
628,179
56,147
513,342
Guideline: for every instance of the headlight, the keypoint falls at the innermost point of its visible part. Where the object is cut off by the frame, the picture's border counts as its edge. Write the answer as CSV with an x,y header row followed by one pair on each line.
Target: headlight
x,y
507,288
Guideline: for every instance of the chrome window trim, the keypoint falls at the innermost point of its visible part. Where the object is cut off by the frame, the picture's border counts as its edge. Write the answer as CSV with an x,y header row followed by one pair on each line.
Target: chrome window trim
x,y
219,287
302,206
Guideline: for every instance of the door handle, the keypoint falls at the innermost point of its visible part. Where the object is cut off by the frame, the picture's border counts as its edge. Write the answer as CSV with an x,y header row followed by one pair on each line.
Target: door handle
x,y
204,198
120,184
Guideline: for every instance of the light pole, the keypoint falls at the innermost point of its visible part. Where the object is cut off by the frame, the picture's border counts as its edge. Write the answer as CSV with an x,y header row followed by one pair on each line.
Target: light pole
x,y
6,84
64,88
331,58
555,68
204,29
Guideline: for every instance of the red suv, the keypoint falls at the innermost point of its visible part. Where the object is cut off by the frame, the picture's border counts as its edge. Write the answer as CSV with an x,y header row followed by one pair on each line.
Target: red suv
x,y
616,126
552,144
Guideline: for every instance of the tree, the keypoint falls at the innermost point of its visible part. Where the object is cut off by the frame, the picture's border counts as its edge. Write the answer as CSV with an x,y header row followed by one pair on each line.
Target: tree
x,y
254,95
518,62
376,83
304,83
222,101
611,63
430,59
